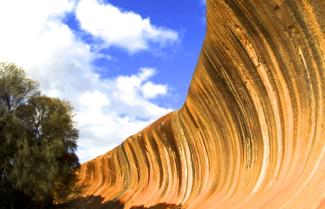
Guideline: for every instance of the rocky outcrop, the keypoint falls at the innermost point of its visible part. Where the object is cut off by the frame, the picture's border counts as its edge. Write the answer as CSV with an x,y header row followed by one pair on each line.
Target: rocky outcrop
x,y
251,133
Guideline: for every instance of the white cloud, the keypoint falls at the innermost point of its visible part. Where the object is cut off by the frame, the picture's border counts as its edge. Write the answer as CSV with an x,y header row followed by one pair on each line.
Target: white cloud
x,y
107,110
117,111
138,84
151,90
124,29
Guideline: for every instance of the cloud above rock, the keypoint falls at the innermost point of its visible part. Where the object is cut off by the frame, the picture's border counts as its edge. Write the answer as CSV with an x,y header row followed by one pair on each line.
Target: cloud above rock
x,y
124,29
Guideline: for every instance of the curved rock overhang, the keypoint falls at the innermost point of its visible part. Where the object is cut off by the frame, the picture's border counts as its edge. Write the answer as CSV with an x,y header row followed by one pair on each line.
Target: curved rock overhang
x,y
251,133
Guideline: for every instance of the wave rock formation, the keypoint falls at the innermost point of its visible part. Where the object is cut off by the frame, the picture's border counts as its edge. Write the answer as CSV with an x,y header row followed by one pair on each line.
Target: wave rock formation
x,y
251,133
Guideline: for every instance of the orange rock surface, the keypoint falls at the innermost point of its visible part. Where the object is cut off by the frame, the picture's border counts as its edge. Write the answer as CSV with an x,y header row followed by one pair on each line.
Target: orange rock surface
x,y
251,133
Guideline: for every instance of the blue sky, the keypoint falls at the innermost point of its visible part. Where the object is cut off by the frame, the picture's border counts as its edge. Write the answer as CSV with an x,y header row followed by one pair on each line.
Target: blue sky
x,y
178,59
121,63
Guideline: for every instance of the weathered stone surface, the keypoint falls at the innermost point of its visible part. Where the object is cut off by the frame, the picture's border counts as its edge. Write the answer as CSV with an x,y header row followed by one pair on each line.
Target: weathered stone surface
x,y
251,133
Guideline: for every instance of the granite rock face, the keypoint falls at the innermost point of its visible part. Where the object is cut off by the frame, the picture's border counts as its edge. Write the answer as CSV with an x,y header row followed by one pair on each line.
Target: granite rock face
x,y
251,133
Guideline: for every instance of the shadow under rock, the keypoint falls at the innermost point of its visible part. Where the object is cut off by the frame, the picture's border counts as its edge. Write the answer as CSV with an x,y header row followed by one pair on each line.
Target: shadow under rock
x,y
92,202
96,202
159,206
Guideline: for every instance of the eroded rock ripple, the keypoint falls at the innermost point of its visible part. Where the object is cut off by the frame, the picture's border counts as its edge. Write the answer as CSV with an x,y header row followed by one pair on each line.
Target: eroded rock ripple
x,y
251,133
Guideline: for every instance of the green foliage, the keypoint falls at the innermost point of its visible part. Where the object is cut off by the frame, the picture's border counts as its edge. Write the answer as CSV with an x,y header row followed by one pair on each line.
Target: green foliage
x,y
37,143
15,87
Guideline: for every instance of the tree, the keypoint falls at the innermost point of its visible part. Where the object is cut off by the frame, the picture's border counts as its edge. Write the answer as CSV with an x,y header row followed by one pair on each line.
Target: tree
x,y
38,143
